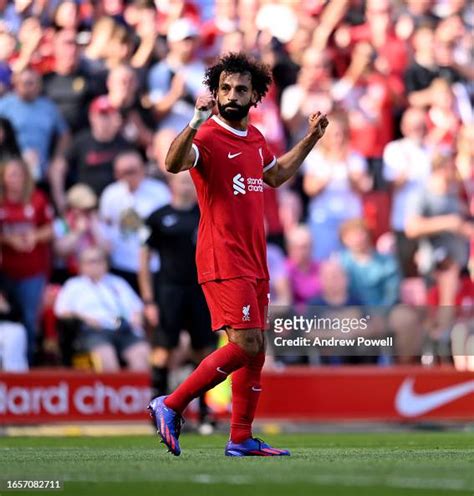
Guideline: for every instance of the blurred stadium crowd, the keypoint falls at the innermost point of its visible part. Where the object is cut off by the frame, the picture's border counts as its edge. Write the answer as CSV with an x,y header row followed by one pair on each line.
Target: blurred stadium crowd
x,y
92,92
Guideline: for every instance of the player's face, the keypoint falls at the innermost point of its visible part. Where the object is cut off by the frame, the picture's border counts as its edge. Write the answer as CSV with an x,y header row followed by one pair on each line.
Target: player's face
x,y
235,96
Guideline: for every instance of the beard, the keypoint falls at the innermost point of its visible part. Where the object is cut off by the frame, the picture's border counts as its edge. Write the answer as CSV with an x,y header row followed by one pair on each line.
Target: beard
x,y
233,111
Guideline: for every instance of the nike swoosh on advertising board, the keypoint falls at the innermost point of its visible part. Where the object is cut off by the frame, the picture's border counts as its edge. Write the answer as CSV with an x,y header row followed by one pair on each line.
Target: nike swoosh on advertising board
x,y
411,404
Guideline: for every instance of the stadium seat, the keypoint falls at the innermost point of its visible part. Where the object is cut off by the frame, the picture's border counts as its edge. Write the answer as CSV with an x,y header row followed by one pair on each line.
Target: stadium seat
x,y
71,354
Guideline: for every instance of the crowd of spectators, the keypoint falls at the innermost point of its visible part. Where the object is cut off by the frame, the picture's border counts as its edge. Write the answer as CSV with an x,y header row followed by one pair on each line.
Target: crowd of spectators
x,y
380,214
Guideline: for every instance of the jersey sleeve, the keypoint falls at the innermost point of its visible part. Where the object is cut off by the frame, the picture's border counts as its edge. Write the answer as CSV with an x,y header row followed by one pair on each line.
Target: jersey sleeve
x,y
268,159
201,146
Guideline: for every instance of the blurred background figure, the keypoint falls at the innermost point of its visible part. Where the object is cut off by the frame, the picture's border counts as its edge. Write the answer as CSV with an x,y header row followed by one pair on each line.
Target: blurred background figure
x,y
92,152
174,301
39,126
334,179
79,228
8,143
406,167
439,219
124,206
174,84
302,269
13,337
374,278
312,90
26,232
110,314
137,119
70,85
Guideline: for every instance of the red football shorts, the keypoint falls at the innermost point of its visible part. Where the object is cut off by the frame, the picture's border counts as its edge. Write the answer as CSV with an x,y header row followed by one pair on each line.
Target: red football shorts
x,y
241,303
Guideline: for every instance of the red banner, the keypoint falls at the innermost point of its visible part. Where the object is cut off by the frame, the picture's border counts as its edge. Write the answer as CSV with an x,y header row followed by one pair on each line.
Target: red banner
x,y
312,394
63,395
369,393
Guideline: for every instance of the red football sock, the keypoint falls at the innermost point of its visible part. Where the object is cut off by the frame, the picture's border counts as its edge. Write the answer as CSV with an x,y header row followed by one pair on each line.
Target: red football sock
x,y
211,371
245,394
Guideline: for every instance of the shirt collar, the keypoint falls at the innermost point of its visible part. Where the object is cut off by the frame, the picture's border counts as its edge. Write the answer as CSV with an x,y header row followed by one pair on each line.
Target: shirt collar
x,y
237,132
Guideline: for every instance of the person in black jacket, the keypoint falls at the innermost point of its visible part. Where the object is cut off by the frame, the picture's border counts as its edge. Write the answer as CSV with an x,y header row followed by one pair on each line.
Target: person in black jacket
x,y
179,302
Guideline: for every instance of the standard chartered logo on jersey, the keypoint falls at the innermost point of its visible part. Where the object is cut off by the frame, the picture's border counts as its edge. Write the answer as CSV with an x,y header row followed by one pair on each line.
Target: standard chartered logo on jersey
x,y
242,185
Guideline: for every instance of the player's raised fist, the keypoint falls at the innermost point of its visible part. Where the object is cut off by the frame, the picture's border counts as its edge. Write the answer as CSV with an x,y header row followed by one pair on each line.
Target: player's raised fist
x,y
202,111
318,123
205,102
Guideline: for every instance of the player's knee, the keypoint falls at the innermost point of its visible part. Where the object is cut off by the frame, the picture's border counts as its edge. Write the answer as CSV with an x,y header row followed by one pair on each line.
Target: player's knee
x,y
250,340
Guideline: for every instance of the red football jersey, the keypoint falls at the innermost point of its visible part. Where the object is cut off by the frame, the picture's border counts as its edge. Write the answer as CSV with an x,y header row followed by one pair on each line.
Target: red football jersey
x,y
228,175
19,218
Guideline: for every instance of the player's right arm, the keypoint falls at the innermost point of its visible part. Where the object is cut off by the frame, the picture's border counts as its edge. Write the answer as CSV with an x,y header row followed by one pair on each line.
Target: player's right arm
x,y
182,156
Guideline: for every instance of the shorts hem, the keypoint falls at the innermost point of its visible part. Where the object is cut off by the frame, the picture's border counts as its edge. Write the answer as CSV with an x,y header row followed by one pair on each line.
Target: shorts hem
x,y
240,326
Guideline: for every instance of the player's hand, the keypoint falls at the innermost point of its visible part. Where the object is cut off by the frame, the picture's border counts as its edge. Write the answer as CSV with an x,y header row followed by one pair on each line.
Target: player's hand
x,y
318,123
205,102
202,110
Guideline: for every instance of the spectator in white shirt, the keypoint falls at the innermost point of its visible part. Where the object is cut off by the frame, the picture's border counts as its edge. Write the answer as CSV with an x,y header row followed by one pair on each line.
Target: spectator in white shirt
x,y
123,207
13,338
109,311
407,167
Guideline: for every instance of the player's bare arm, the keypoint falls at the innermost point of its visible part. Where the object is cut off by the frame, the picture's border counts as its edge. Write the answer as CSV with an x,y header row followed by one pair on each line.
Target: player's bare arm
x,y
181,156
288,164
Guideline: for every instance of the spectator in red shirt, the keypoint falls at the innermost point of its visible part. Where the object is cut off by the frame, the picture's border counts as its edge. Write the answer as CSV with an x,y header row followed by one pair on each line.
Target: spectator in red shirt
x,y
465,169
25,233
379,31
367,95
443,119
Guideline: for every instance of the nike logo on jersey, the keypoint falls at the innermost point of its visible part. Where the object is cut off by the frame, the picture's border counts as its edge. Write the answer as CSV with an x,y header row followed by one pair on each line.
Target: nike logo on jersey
x,y
233,155
411,404
221,371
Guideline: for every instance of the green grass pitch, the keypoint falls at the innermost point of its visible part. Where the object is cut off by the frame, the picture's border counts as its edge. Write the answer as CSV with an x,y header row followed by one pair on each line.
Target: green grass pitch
x,y
366,464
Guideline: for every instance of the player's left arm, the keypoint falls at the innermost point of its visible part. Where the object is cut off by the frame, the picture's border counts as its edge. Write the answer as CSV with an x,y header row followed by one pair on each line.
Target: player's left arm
x,y
287,165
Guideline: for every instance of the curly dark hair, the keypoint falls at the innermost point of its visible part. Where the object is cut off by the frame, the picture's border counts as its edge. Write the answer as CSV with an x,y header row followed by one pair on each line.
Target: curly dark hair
x,y
239,63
